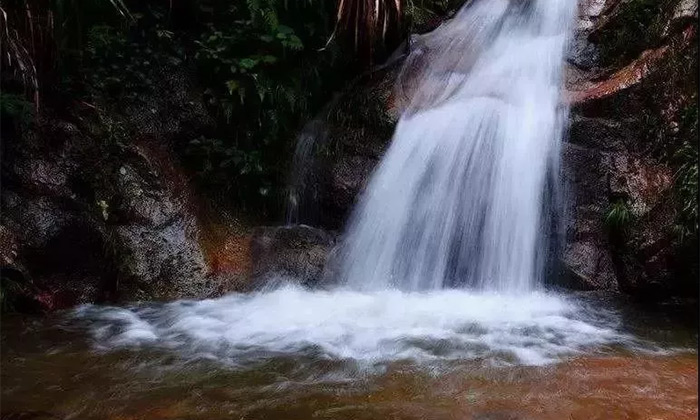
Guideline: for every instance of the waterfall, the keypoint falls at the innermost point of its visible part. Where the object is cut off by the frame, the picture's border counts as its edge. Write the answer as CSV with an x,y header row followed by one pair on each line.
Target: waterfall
x,y
460,198
443,256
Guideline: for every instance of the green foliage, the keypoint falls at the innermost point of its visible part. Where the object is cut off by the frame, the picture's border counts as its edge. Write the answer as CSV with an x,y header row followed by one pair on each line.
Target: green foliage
x,y
214,156
126,61
618,216
264,68
40,36
265,71
247,62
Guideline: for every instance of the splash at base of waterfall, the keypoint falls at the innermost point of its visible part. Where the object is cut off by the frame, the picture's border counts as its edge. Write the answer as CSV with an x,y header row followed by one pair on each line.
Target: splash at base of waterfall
x,y
531,329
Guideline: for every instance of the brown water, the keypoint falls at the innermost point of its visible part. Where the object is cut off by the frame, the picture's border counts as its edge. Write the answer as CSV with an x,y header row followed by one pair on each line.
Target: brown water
x,y
51,369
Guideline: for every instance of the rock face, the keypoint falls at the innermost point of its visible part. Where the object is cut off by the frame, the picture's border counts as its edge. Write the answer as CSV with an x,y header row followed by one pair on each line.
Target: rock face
x,y
597,180
623,127
159,243
582,53
338,152
99,210
297,253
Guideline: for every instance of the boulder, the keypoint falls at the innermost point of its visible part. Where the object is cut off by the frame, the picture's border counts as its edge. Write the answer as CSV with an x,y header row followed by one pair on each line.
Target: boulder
x,y
158,238
99,207
338,152
290,253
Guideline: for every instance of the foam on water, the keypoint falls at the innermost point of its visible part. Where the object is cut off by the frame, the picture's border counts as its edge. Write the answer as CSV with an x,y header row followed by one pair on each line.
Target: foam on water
x,y
532,329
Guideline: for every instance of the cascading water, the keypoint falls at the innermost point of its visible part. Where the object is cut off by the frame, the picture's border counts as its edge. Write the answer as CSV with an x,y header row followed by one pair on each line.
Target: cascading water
x,y
459,200
459,197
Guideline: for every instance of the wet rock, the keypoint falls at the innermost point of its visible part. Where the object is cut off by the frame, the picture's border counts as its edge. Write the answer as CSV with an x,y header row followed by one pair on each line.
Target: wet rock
x,y
16,288
582,53
685,9
600,133
141,235
297,253
629,76
587,261
645,262
622,124
350,175
643,183
58,242
101,217
349,141
596,178
643,253
158,239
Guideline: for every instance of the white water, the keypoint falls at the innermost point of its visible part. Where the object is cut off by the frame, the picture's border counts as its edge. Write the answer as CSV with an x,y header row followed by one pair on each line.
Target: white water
x,y
457,201
458,198
371,327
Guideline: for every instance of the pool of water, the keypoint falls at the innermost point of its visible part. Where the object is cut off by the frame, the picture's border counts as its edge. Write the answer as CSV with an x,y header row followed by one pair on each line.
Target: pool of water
x,y
295,354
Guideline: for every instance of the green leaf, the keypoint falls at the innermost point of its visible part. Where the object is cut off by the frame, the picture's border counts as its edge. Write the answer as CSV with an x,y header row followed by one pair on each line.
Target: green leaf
x,y
248,63
295,43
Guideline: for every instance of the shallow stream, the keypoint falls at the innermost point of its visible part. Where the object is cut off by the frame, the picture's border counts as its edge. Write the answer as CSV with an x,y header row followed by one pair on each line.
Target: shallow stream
x,y
296,354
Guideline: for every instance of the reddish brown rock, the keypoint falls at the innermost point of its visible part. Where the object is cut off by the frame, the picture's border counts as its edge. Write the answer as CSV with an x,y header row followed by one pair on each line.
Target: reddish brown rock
x,y
622,126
